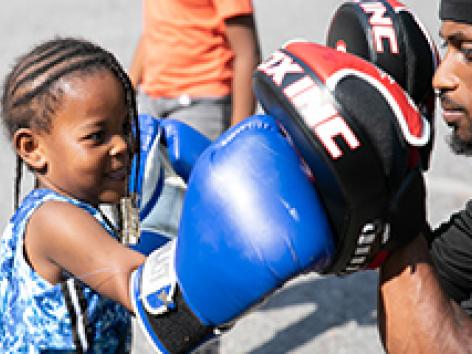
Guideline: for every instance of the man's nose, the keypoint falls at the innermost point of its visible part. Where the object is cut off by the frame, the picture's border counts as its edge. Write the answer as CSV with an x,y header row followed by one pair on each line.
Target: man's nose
x,y
445,78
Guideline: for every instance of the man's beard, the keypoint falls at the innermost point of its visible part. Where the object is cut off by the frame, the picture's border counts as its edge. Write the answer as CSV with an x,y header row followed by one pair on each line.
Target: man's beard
x,y
458,145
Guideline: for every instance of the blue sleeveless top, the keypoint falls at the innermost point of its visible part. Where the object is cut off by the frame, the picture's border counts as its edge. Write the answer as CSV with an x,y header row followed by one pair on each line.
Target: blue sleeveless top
x,y
37,317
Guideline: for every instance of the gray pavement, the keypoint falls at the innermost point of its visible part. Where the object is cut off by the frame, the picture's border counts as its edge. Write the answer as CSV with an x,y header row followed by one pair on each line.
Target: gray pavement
x,y
311,314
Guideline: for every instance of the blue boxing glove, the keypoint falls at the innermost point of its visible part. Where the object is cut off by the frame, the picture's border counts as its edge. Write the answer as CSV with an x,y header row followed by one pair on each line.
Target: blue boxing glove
x,y
168,151
184,146
251,221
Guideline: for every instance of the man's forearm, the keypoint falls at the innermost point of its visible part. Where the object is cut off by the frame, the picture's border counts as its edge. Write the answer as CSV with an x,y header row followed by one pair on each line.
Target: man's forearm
x,y
414,314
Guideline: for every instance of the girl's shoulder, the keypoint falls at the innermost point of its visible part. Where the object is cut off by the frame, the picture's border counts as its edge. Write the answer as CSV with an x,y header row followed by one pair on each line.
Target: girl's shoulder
x,y
37,197
46,209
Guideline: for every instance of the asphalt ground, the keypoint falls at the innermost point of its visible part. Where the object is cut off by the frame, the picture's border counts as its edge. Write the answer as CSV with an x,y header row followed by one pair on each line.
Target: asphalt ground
x,y
311,314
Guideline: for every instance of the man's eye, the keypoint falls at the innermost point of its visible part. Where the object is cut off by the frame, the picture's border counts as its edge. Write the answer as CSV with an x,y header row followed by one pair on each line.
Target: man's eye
x,y
467,53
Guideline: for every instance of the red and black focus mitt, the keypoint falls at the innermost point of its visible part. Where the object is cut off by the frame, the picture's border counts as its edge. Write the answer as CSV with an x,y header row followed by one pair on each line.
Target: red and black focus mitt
x,y
388,34
360,135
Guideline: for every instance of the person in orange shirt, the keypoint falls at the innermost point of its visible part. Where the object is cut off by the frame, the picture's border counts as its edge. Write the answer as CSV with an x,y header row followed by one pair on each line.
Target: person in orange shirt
x,y
194,62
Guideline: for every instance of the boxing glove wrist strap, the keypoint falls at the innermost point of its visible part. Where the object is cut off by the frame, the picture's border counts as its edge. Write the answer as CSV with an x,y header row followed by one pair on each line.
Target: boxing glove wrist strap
x,y
161,311
178,330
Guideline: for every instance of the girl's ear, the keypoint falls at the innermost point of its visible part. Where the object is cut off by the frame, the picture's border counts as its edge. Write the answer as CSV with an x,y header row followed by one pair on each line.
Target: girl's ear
x,y
28,147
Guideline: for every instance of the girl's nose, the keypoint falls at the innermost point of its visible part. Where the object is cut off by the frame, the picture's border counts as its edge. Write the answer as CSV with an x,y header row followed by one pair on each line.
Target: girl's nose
x,y
118,145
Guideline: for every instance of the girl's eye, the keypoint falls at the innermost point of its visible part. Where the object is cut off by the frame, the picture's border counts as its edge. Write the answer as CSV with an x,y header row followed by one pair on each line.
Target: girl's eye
x,y
96,137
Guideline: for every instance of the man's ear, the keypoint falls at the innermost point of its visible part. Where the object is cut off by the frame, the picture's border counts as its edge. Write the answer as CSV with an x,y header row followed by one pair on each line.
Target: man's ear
x,y
28,147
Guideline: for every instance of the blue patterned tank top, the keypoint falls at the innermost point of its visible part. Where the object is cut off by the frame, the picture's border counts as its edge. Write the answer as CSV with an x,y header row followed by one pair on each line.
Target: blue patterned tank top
x,y
37,317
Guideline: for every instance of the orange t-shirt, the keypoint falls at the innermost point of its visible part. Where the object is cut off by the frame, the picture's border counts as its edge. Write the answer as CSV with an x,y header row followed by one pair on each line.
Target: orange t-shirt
x,y
186,51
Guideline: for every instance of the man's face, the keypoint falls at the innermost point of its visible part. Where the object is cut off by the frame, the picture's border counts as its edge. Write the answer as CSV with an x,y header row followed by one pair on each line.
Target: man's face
x,y
453,81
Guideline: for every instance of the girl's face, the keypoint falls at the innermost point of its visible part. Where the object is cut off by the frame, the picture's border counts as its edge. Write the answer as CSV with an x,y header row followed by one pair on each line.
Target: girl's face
x,y
86,152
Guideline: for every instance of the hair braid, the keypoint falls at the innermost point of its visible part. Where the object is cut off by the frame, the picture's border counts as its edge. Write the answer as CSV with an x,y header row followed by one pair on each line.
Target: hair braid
x,y
18,174
29,77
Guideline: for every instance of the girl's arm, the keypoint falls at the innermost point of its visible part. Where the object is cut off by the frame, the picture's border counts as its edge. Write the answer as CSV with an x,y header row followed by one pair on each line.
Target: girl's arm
x,y
62,236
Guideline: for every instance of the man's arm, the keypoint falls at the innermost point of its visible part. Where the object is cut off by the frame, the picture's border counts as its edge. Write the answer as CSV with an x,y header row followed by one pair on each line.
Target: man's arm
x,y
242,37
415,316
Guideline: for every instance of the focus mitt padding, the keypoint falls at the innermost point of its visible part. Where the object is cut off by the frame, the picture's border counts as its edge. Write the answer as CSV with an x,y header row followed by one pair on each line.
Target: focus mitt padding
x,y
360,135
388,34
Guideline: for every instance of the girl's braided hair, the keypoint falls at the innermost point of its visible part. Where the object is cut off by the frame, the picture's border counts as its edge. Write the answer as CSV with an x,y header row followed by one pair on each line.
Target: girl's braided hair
x,y
31,96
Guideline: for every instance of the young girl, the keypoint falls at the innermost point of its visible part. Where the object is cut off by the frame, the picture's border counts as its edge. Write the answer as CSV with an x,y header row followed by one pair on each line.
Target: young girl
x,y
69,110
